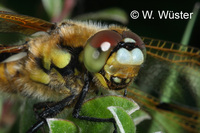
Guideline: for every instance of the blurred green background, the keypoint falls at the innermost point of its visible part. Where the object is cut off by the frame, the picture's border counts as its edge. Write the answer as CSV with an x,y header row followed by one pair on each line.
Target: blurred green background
x,y
171,30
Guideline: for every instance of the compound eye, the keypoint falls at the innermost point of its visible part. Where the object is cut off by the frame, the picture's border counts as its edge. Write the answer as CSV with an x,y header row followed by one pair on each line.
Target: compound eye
x,y
98,49
128,35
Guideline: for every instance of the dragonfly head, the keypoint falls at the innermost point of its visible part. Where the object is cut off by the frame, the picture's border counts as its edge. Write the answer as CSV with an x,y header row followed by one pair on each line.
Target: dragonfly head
x,y
114,58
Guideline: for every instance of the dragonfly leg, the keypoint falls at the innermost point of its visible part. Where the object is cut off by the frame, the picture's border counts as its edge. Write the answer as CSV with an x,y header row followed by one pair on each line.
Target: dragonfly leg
x,y
79,103
59,106
36,126
125,92
38,107
51,112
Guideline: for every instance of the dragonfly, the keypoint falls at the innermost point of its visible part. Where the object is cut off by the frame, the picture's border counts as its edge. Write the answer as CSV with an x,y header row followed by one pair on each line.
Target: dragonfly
x,y
170,107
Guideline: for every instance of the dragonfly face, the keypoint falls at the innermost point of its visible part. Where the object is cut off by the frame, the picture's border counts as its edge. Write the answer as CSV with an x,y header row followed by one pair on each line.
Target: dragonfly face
x,y
117,58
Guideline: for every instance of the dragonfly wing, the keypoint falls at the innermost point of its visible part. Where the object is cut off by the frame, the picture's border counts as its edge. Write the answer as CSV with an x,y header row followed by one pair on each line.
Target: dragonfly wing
x,y
171,73
11,22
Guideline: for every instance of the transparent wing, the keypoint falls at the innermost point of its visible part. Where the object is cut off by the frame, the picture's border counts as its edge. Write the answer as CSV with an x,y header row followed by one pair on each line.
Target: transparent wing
x,y
171,72
12,49
168,85
7,51
170,117
172,52
11,22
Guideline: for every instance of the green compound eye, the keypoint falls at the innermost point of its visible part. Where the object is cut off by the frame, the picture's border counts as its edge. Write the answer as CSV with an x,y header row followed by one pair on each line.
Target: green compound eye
x,y
98,49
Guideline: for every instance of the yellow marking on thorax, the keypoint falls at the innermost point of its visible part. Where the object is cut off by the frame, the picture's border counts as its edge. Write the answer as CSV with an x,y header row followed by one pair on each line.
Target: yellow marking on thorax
x,y
40,76
60,58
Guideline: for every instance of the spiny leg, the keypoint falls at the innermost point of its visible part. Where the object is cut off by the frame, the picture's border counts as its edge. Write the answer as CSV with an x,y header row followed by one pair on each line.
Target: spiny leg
x,y
38,107
125,92
59,106
79,103
51,112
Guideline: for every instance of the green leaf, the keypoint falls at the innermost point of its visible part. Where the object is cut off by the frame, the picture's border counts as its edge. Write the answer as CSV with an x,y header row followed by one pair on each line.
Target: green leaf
x,y
53,7
124,122
3,8
61,126
111,14
139,116
98,108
